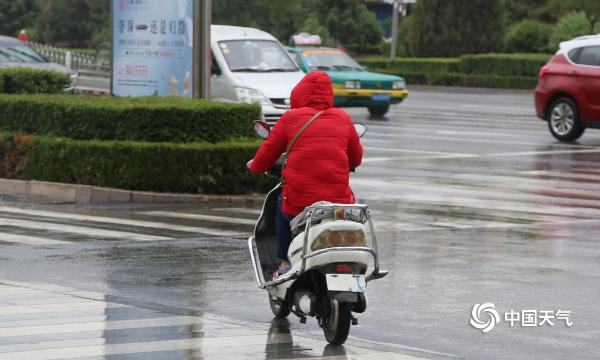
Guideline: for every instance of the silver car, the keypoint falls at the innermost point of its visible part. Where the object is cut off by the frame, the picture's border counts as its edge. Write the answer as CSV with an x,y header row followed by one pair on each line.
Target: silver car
x,y
15,53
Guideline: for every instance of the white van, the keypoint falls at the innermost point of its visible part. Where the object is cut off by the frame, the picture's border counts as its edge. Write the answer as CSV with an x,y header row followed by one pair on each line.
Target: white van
x,y
250,65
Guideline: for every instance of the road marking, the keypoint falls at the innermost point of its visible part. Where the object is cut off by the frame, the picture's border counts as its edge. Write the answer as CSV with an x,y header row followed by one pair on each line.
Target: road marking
x,y
563,175
221,219
29,240
410,151
53,308
546,152
486,140
109,220
81,230
102,325
55,350
240,210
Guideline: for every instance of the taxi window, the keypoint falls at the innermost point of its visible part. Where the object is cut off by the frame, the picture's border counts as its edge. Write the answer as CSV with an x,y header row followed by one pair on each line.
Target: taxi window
x,y
330,59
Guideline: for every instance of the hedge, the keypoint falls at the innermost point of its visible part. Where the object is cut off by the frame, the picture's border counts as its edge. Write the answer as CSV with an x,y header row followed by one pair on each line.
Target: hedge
x,y
503,64
32,81
152,119
470,80
162,167
513,71
422,65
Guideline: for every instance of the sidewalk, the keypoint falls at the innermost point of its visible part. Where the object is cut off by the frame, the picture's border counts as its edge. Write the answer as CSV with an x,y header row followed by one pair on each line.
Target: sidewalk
x,y
42,321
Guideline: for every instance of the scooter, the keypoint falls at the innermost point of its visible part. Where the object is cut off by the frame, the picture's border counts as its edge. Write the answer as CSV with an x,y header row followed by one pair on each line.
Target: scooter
x,y
330,256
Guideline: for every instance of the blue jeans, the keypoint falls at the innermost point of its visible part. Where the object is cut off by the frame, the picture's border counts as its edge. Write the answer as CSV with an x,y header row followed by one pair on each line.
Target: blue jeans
x,y
283,231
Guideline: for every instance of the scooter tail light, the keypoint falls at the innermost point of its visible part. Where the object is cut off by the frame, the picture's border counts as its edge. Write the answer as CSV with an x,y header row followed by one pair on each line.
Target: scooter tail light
x,y
339,238
343,268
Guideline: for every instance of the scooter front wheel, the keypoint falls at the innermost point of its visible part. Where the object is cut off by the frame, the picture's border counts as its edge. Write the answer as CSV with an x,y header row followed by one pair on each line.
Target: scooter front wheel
x,y
336,324
281,309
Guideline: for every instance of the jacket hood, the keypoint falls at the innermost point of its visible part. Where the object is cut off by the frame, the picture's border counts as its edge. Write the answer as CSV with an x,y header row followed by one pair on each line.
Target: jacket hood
x,y
314,90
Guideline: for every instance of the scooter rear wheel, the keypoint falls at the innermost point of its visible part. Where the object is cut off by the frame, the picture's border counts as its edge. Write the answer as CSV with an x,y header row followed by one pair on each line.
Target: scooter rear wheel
x,y
281,309
336,325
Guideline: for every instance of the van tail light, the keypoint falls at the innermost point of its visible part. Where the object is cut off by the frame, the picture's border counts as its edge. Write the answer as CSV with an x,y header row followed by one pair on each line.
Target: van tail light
x,y
544,70
342,238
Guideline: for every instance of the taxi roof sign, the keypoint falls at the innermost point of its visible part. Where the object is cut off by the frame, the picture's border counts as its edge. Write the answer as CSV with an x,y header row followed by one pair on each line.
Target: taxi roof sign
x,y
305,39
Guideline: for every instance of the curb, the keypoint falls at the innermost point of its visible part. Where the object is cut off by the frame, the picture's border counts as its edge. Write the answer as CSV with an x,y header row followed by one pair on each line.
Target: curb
x,y
87,194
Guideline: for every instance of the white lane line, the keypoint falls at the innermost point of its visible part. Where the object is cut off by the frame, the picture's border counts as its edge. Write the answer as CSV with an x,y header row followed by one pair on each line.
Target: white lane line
x,y
97,347
484,140
240,210
109,220
102,325
569,199
548,152
563,175
29,240
221,219
81,230
412,151
54,308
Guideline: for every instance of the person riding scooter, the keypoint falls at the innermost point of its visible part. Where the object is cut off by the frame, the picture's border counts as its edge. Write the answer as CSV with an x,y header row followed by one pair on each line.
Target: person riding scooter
x,y
317,165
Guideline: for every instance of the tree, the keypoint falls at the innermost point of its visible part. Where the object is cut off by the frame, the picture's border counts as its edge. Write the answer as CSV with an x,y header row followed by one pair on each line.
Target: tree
x,y
73,23
16,15
528,36
541,10
591,9
456,27
568,27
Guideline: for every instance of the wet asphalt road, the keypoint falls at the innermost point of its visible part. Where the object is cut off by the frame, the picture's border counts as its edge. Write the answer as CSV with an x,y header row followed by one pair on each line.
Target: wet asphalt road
x,y
474,202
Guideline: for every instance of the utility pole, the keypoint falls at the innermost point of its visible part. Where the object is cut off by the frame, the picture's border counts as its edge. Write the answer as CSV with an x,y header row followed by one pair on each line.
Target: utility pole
x,y
202,71
398,9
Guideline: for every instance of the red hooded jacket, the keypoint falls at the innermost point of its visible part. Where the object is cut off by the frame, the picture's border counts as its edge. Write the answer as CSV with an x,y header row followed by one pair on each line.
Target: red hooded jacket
x,y
319,162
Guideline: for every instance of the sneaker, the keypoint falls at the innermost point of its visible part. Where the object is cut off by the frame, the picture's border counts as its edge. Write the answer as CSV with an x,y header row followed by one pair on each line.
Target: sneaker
x,y
283,268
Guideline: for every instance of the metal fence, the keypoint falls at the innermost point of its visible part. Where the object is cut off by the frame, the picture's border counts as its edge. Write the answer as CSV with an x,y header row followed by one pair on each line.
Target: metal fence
x,y
77,61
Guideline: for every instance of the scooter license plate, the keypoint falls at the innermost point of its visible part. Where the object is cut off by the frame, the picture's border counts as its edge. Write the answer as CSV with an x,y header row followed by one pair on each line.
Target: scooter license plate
x,y
346,282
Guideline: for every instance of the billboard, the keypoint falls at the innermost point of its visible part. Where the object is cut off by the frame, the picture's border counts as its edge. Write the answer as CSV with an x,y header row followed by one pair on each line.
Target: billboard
x,y
152,47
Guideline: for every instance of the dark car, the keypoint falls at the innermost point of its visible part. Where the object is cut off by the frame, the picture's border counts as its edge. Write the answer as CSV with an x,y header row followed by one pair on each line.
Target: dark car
x,y
568,90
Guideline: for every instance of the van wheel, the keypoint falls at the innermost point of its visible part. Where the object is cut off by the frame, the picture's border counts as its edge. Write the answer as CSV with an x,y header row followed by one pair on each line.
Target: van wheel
x,y
378,111
563,120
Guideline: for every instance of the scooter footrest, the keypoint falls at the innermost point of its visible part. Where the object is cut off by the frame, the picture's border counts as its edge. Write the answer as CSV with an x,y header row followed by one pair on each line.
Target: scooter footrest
x,y
376,275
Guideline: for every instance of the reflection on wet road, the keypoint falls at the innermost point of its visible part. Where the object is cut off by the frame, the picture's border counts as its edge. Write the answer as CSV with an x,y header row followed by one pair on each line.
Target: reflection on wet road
x,y
473,200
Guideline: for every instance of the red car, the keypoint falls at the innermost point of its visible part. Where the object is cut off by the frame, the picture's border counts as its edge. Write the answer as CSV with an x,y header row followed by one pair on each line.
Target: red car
x,y
568,92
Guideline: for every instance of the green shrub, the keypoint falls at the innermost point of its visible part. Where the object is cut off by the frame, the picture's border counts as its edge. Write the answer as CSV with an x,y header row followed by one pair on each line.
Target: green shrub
x,y
469,80
568,27
154,119
164,167
528,36
400,65
32,81
503,64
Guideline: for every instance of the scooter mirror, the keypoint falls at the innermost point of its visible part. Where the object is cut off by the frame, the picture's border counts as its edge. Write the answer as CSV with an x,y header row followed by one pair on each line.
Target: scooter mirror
x,y
360,129
262,129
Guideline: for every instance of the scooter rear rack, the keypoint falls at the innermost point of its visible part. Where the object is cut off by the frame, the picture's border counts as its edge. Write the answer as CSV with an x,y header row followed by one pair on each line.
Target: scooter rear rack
x,y
373,251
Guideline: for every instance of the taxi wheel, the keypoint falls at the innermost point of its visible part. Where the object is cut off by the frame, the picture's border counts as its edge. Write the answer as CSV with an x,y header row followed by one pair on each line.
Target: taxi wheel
x,y
379,110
